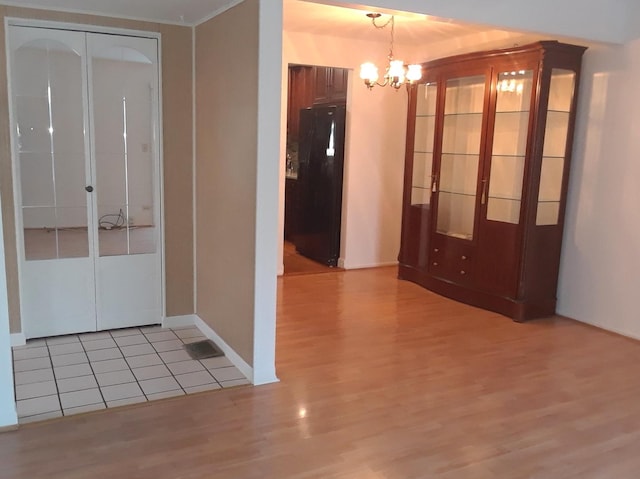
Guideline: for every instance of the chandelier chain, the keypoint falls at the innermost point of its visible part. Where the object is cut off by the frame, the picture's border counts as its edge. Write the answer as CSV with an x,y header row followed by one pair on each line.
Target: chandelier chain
x,y
380,27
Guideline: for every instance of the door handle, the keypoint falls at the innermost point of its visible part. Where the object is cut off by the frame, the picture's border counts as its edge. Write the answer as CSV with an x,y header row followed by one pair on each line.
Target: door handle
x,y
89,188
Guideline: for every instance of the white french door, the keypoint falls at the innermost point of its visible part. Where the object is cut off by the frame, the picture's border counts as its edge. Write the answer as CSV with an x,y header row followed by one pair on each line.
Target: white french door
x,y
86,178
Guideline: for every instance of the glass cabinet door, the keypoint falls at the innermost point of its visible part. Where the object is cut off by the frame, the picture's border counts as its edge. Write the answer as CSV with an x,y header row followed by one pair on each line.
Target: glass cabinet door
x,y
511,128
460,157
423,144
555,146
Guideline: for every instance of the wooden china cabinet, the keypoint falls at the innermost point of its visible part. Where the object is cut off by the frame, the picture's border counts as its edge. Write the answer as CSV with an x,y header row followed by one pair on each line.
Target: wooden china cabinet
x,y
489,142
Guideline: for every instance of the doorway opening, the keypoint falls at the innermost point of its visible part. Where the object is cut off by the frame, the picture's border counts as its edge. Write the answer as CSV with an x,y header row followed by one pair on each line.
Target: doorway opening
x,y
316,118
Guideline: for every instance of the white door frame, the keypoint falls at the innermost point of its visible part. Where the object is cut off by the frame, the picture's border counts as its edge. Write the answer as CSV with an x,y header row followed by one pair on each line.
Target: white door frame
x,y
15,180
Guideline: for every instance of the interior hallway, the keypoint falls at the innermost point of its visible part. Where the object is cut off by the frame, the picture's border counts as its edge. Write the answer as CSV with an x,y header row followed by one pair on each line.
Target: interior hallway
x,y
378,379
295,263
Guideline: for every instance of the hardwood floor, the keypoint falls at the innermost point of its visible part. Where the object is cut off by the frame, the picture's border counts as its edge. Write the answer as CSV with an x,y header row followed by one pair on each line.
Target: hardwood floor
x,y
295,263
379,379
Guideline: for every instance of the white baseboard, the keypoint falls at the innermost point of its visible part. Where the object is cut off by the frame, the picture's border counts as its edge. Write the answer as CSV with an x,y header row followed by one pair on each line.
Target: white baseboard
x,y
280,269
179,321
18,339
231,355
605,327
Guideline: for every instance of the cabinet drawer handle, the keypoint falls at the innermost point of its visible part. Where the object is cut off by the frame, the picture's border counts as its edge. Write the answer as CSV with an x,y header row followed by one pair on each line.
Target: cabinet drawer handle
x,y
435,263
435,250
463,257
462,272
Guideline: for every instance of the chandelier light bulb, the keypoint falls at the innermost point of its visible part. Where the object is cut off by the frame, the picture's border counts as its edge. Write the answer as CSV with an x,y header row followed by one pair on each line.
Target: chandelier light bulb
x,y
414,72
397,73
368,71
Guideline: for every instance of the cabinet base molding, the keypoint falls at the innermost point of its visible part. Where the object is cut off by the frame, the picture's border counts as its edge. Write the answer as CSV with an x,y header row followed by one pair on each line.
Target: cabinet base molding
x,y
518,310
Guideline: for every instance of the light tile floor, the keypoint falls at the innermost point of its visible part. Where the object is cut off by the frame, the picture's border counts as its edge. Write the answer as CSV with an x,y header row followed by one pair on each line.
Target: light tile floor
x,y
71,374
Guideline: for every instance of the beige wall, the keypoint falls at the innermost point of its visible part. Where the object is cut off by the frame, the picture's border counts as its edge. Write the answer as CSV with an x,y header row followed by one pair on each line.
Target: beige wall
x,y
226,153
177,126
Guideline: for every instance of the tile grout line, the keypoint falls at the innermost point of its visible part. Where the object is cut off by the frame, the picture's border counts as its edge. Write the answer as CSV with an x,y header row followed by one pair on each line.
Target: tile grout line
x,y
166,365
146,399
55,378
94,377
15,386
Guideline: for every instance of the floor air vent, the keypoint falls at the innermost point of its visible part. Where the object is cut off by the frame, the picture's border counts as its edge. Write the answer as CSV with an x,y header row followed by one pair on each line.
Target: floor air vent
x,y
203,349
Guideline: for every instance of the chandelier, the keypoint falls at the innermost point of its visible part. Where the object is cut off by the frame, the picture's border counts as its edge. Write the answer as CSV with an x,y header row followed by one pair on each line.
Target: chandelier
x,y
396,73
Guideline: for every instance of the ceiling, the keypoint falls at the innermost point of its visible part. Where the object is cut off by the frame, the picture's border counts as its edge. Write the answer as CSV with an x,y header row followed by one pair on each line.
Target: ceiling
x,y
316,18
166,11
299,16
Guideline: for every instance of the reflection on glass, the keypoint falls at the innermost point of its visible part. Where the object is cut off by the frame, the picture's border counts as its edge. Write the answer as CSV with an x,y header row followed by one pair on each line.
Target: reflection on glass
x,y
513,100
555,145
122,97
456,215
464,100
465,95
423,144
47,237
461,133
459,174
421,184
555,133
505,189
47,96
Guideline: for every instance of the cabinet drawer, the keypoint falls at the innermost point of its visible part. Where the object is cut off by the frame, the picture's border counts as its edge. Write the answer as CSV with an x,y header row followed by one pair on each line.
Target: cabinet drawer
x,y
452,261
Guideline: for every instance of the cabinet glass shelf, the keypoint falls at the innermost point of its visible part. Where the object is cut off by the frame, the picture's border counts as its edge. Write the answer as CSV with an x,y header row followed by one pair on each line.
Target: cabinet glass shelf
x,y
470,113
453,234
451,153
462,193
506,198
510,112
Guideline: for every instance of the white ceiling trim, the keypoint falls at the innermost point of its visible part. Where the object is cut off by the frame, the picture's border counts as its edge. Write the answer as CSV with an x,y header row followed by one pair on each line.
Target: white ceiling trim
x,y
217,12
100,14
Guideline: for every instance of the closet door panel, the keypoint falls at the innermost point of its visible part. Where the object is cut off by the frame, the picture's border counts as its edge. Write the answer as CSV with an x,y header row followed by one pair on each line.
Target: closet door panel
x,y
49,121
123,74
